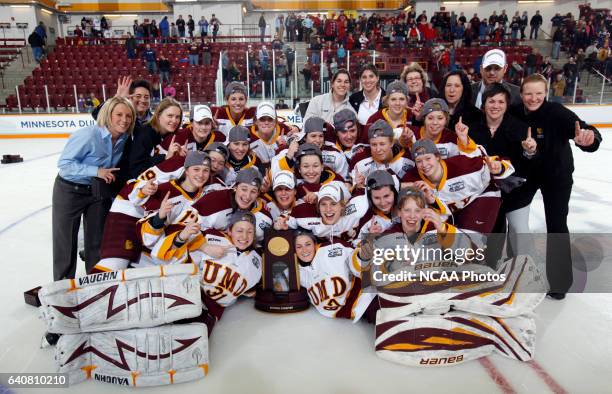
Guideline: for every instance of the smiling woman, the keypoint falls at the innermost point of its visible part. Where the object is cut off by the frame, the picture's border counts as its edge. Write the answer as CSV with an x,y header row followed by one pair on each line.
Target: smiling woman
x,y
326,105
90,154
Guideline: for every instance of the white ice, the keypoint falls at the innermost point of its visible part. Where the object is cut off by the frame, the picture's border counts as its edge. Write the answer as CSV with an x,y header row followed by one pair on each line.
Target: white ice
x,y
254,352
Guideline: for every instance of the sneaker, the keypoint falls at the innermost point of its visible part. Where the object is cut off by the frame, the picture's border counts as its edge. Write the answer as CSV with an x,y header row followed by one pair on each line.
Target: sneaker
x,y
555,296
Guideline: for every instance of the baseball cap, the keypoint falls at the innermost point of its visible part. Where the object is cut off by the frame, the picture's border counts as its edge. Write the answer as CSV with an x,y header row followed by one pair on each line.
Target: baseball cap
x,y
201,112
397,87
218,147
432,105
197,158
241,216
409,191
380,128
330,191
283,178
379,178
342,118
494,56
423,147
314,124
235,87
308,149
238,133
250,176
265,108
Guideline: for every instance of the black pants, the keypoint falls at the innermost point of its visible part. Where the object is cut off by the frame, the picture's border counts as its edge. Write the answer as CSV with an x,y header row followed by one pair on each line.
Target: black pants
x,y
556,195
70,202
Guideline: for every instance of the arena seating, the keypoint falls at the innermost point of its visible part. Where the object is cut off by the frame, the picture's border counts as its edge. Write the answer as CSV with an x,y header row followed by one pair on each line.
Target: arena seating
x,y
10,50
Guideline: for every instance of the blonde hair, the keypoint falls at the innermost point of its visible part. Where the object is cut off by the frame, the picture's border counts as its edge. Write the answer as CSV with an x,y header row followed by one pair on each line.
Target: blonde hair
x,y
534,78
414,67
164,105
411,193
106,112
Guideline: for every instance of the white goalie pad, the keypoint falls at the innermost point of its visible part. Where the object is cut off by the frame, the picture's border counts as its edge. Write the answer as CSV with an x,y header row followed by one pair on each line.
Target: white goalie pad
x,y
118,300
174,353
453,338
520,288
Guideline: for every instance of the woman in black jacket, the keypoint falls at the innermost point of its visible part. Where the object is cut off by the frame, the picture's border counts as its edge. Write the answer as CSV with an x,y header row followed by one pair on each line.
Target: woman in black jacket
x,y
501,134
552,127
457,92
369,99
144,152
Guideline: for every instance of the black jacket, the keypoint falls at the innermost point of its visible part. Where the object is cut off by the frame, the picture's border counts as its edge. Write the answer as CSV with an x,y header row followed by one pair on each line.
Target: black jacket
x,y
505,143
141,155
357,98
515,92
469,114
553,126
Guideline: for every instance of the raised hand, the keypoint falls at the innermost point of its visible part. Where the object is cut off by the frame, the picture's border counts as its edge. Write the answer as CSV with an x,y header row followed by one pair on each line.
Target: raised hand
x,y
190,229
461,130
165,207
406,137
360,179
265,184
375,228
173,148
583,137
310,198
149,188
281,223
183,152
495,167
529,144
293,148
107,174
123,86
433,217
426,190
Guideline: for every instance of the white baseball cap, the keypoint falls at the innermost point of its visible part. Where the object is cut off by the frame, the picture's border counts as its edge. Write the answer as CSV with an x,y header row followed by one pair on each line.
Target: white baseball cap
x,y
283,178
265,108
201,112
494,57
330,191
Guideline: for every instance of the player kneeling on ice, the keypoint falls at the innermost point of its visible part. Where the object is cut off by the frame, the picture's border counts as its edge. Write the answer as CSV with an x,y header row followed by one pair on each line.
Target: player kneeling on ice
x,y
173,232
329,270
229,265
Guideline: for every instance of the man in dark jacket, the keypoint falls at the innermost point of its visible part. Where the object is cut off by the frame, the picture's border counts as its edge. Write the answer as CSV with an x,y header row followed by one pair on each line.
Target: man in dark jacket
x,y
180,24
493,69
130,45
37,43
150,58
535,23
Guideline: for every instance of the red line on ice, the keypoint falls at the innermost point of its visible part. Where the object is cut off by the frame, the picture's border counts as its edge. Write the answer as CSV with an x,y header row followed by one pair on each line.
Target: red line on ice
x,y
549,380
496,376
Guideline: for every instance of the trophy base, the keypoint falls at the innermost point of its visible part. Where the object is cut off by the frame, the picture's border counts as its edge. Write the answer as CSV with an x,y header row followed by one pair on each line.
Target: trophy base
x,y
276,302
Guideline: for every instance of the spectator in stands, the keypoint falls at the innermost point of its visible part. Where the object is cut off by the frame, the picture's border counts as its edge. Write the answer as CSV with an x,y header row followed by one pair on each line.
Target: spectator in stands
x,y
203,24
264,56
180,24
130,46
150,58
103,23
326,105
164,29
234,73
279,25
281,76
570,72
37,44
90,155
173,33
225,64
277,44
493,69
315,50
556,47
368,100
194,54
41,30
78,32
457,92
262,27
215,22
281,104
557,22
535,23
458,34
164,69
153,30
547,68
166,120
169,91
206,52
515,26
524,21
416,80
94,100
190,26
531,62
81,103
307,72
307,25
558,88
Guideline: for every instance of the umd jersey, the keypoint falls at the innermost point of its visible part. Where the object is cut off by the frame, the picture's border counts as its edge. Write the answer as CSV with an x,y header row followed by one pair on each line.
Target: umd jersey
x,y
333,282
225,122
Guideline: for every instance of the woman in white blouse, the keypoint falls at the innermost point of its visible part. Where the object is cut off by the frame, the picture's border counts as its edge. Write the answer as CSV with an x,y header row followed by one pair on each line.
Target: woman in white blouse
x,y
326,105
369,99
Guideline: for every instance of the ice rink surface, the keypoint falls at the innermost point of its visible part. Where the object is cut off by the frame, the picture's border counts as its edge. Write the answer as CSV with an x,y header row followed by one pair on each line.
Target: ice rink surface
x,y
254,352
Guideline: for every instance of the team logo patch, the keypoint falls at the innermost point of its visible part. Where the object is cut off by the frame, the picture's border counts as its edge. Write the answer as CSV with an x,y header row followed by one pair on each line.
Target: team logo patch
x,y
335,252
350,209
539,132
128,245
455,187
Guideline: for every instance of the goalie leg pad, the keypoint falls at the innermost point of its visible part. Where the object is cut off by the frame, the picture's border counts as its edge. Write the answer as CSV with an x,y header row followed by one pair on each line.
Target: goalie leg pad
x,y
453,338
155,356
118,300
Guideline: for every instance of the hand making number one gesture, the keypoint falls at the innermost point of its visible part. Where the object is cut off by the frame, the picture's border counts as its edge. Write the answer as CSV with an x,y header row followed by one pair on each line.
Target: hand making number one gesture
x,y
529,144
583,137
461,130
